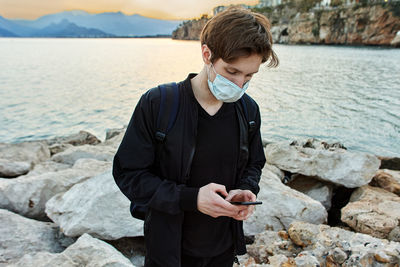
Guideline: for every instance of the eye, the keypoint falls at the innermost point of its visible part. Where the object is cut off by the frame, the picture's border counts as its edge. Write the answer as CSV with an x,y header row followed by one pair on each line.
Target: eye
x,y
231,72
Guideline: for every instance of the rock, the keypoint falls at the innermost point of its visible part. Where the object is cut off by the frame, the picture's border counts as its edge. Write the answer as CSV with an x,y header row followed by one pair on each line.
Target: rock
x,y
317,190
275,171
190,30
47,166
306,259
270,243
388,180
332,245
27,195
372,211
20,236
86,251
95,206
21,155
335,165
281,205
113,142
72,154
79,139
396,40
110,133
58,148
394,235
390,163
14,168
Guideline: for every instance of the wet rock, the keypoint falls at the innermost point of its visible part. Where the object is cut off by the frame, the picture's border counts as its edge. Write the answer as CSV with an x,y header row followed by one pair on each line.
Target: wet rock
x,y
281,205
372,211
95,206
86,251
388,180
335,165
20,236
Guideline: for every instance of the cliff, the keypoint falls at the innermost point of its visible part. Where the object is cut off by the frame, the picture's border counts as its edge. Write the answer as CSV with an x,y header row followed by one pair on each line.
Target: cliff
x,y
374,24
190,30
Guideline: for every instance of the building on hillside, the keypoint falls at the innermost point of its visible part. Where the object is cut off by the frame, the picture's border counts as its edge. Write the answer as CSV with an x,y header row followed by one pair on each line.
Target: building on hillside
x,y
268,3
218,9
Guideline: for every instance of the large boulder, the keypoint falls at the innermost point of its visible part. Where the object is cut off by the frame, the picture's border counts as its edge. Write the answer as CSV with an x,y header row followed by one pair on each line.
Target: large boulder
x,y
27,195
281,206
330,163
20,236
307,244
18,159
95,206
372,211
72,154
47,166
388,180
86,251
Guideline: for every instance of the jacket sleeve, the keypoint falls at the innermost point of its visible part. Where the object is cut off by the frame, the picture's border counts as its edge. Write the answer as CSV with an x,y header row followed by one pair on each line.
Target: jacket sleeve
x,y
252,172
133,165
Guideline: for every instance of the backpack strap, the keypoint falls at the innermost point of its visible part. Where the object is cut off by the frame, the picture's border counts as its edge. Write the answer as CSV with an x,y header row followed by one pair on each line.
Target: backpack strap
x,y
250,118
169,104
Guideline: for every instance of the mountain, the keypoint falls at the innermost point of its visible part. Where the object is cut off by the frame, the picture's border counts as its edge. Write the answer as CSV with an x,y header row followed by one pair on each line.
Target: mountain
x,y
116,23
15,28
68,29
5,33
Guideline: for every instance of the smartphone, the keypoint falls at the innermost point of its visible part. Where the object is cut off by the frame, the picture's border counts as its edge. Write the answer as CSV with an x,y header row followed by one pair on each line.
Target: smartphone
x,y
246,202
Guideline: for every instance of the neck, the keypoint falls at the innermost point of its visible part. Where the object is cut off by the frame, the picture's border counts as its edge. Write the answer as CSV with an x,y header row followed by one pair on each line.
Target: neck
x,y
202,92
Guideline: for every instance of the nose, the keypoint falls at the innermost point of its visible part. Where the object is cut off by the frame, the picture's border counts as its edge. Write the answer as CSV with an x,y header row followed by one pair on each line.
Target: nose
x,y
240,81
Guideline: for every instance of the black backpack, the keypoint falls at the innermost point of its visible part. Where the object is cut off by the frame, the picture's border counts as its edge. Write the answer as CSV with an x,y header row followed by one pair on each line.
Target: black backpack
x,y
169,105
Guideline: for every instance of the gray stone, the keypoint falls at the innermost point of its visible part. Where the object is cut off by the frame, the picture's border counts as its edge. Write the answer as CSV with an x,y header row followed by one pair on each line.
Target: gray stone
x,y
20,236
86,251
328,163
78,139
22,154
110,133
372,211
14,168
47,166
27,195
314,188
281,205
95,206
72,154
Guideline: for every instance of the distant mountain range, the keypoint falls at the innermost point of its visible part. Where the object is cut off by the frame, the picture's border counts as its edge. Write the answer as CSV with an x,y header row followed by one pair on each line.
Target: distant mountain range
x,y
82,24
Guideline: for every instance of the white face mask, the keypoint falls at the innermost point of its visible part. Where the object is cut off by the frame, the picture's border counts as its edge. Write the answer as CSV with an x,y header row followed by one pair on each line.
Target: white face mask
x,y
225,90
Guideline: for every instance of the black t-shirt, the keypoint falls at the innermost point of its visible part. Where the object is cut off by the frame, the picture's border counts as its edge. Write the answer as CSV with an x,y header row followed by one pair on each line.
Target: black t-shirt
x,y
215,161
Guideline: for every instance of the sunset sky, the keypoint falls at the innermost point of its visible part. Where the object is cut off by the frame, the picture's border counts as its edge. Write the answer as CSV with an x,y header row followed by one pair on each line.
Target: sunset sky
x,y
163,9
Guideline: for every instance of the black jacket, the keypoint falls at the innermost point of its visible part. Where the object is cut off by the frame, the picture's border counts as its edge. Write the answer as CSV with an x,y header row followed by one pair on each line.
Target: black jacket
x,y
153,176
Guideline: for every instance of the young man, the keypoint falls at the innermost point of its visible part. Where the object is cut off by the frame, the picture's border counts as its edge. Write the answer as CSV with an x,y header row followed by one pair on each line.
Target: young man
x,y
183,186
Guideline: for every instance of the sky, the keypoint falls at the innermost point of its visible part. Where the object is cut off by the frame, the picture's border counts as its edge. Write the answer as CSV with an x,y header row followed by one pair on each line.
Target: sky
x,y
162,9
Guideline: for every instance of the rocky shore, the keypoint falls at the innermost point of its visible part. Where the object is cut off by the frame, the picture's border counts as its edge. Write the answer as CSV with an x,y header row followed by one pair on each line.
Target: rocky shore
x,y
358,24
322,206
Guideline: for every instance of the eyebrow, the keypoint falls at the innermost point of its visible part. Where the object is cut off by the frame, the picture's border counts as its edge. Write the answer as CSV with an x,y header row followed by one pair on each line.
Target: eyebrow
x,y
236,70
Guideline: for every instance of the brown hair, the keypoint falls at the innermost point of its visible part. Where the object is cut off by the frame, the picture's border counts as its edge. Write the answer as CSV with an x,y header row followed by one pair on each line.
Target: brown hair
x,y
238,32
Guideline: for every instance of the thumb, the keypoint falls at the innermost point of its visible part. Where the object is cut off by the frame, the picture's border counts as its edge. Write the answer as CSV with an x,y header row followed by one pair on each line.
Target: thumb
x,y
221,190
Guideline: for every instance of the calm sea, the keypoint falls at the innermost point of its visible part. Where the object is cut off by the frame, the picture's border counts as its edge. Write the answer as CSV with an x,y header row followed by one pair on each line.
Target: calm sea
x,y
56,87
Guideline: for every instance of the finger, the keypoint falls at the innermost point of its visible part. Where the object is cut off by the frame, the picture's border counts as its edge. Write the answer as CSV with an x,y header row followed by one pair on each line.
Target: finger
x,y
220,189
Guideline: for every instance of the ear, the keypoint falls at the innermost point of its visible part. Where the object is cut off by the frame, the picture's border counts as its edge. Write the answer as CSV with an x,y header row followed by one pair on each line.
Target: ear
x,y
206,54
